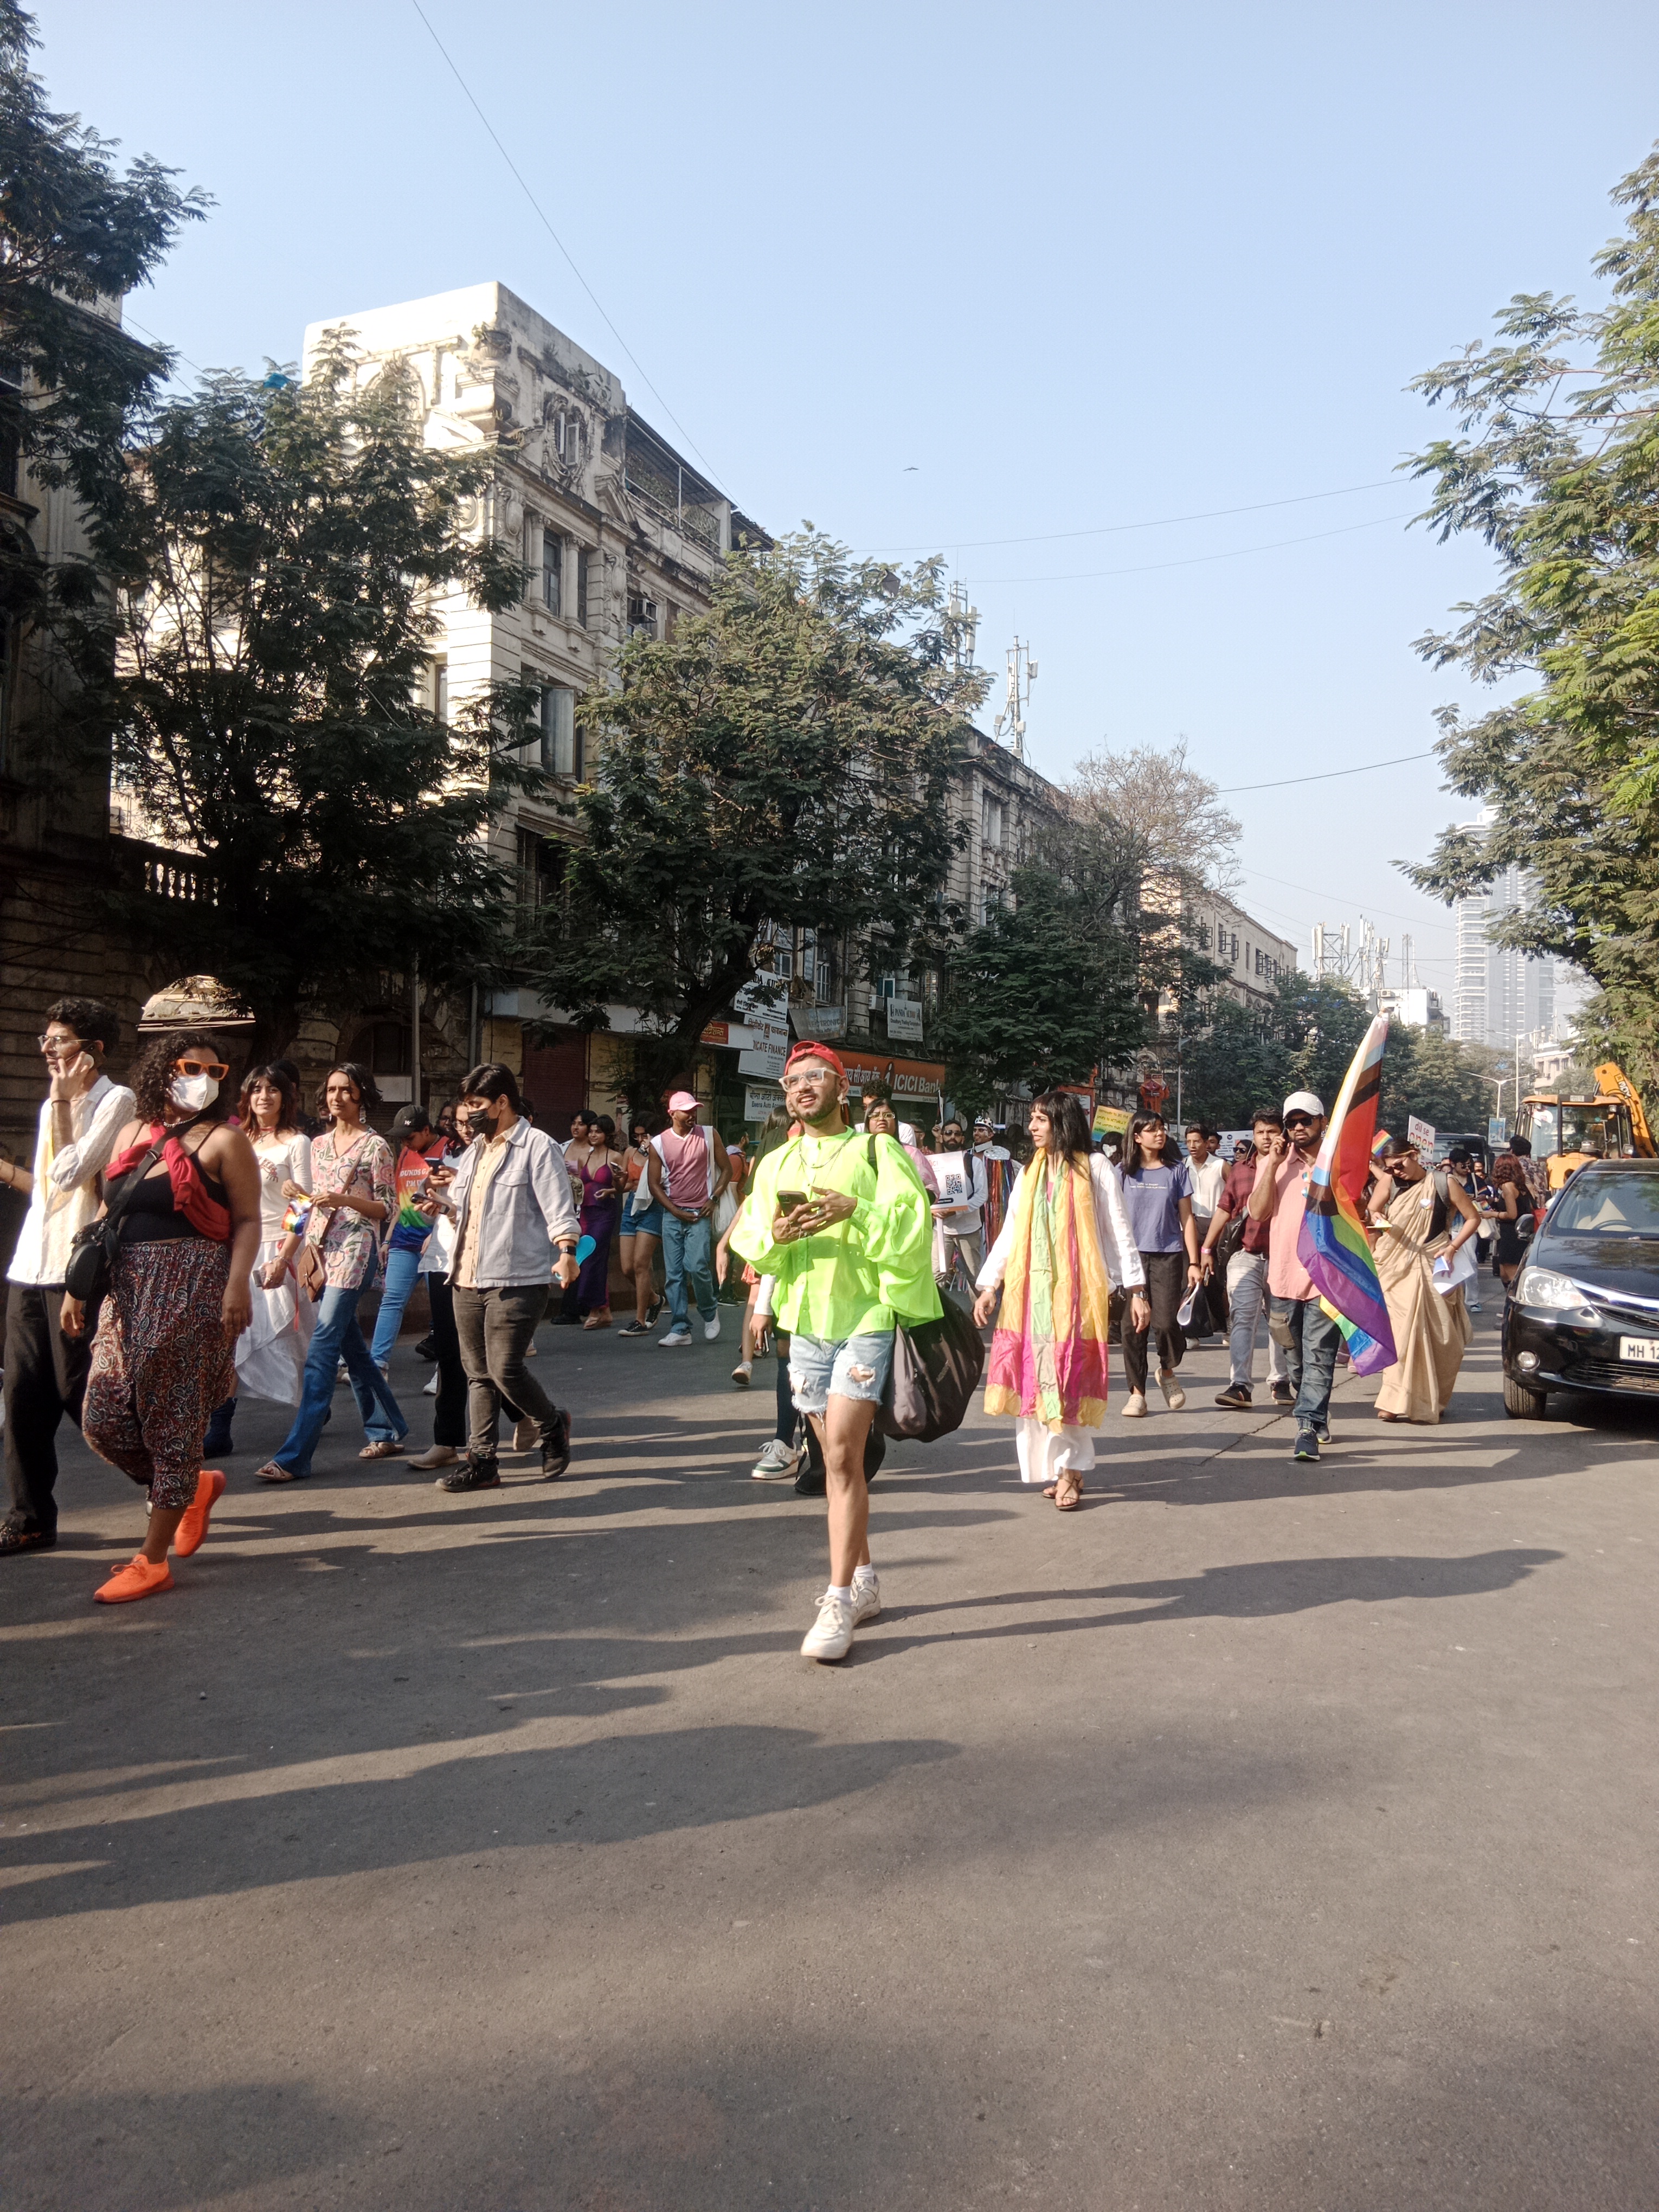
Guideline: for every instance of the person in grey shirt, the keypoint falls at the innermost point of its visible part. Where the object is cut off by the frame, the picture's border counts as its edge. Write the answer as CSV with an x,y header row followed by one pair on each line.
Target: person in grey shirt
x,y
516,1224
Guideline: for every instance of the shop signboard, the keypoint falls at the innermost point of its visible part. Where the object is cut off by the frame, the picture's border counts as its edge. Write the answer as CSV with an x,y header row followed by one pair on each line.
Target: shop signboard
x,y
902,1078
904,1019
759,1100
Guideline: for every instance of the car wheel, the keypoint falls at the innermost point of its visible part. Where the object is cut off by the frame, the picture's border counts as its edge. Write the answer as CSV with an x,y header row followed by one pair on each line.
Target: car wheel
x,y
1524,1404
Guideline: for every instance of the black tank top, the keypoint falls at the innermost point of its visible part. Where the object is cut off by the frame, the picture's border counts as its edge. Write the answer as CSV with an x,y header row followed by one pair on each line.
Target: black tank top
x,y
152,1217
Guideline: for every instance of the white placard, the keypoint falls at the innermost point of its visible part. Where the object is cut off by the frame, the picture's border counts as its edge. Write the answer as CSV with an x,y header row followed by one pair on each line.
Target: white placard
x,y
904,1018
1420,1134
953,1176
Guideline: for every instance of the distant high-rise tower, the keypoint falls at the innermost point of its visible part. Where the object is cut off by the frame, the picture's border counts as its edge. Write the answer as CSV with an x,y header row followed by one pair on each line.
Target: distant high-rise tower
x,y
1499,995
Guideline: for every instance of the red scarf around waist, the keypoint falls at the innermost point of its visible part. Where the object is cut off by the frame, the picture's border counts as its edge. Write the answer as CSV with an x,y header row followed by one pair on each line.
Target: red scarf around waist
x,y
190,1192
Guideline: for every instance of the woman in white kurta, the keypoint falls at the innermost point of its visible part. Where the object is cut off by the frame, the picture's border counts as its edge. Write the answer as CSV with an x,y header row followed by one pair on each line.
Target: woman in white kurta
x,y
1061,1256
271,1352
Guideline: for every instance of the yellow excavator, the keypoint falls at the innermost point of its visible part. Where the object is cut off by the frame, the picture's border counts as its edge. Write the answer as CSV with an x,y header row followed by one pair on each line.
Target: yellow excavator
x,y
1566,1132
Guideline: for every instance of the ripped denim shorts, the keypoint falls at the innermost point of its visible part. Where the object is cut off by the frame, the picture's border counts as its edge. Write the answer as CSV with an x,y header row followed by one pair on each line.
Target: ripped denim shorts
x,y
857,1367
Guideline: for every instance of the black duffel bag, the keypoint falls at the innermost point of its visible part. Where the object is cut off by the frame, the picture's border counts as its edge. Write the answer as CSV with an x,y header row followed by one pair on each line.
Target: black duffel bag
x,y
937,1366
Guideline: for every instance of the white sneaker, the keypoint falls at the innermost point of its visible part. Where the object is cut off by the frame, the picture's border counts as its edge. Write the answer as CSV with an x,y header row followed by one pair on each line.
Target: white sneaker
x,y
675,1338
1173,1396
777,1463
1133,1407
867,1598
830,1636
711,1329
431,1388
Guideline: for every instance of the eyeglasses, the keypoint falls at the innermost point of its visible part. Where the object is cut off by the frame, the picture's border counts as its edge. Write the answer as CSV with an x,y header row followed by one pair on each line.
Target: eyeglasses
x,y
216,1068
790,1082
60,1044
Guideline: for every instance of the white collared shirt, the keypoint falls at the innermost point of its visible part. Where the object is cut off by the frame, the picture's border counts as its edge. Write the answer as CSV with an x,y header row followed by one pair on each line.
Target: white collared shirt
x,y
65,1194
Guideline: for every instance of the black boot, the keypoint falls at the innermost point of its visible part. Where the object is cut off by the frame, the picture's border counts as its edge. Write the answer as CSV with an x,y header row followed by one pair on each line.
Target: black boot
x,y
216,1443
470,1473
555,1447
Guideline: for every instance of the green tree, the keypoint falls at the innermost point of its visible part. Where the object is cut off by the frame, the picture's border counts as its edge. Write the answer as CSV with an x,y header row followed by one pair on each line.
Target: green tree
x,y
77,235
1442,1081
1041,992
1555,463
265,670
783,760
1255,1055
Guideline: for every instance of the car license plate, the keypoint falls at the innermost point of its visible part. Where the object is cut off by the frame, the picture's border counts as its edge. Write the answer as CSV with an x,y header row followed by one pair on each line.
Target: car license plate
x,y
1645,1349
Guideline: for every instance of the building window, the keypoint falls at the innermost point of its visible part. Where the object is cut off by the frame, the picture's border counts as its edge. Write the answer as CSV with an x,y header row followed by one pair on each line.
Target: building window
x,y
437,690
540,870
552,570
388,1050
641,616
994,823
561,746
581,584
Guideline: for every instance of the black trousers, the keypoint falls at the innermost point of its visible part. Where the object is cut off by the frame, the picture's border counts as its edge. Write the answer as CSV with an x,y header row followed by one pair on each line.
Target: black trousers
x,y
1166,1287
46,1378
449,1413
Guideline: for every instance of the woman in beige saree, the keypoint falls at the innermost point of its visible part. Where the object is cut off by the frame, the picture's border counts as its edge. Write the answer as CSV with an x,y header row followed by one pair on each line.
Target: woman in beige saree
x,y
1419,1216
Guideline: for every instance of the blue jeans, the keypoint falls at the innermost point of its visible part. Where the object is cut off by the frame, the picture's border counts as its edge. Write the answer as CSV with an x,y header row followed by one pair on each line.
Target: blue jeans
x,y
402,1271
686,1247
1309,1357
336,1337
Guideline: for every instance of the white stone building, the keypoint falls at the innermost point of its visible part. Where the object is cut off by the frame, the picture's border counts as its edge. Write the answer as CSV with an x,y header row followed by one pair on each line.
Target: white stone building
x,y
1254,957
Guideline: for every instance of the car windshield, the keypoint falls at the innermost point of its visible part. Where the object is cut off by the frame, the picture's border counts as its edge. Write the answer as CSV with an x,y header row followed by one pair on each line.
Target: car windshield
x,y
1596,1204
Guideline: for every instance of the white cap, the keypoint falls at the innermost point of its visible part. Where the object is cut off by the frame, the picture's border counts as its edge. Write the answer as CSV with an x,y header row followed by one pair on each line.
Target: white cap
x,y
1303,1102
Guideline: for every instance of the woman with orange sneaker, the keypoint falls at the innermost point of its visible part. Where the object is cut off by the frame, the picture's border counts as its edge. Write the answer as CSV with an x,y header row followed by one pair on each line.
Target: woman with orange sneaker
x,y
187,1188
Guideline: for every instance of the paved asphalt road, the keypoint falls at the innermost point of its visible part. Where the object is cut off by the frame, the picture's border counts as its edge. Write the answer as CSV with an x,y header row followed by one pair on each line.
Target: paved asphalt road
x,y
1258,1837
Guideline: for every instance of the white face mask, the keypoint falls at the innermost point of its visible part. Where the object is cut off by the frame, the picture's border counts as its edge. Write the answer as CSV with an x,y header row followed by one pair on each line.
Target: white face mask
x,y
194,1093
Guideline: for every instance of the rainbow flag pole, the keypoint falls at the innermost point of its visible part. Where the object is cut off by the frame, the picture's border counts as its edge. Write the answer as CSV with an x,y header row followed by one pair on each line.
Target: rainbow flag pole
x,y
1333,1246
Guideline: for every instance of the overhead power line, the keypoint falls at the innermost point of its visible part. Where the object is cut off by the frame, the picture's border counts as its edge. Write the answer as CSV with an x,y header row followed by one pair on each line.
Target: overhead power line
x,y
1197,560
542,218
1112,529
1326,775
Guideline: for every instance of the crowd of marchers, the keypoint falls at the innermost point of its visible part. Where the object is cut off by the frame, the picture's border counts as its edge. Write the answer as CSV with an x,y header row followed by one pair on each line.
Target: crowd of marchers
x,y
190,1238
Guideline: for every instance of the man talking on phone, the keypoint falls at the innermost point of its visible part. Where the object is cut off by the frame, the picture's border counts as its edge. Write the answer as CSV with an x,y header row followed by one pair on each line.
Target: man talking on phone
x,y
45,1371
843,1222
1306,1330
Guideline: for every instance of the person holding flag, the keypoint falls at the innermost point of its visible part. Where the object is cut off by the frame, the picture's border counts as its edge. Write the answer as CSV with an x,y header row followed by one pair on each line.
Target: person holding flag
x,y
1308,1334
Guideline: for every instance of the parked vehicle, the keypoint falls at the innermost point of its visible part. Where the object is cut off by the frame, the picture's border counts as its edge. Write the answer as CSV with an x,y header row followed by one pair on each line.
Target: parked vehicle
x,y
1584,1310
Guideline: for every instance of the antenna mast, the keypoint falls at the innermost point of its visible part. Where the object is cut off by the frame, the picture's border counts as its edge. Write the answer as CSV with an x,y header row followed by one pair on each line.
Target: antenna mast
x,y
1022,674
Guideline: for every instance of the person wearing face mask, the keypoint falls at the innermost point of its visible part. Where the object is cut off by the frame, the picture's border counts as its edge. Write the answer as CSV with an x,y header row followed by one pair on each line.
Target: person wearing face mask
x,y
354,1196
184,1189
45,1371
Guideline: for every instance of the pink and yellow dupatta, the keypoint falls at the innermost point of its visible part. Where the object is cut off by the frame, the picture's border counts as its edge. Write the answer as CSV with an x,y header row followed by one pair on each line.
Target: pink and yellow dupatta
x,y
1049,1355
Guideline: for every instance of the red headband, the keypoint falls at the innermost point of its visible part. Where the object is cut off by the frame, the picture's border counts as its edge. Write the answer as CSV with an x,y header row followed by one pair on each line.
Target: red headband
x,y
807,1049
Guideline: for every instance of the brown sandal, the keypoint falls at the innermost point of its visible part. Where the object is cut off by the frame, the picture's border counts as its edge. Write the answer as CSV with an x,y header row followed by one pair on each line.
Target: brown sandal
x,y
384,1449
1068,1493
271,1473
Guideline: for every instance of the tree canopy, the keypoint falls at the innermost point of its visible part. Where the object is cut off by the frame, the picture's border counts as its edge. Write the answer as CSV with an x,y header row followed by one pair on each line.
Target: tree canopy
x,y
77,235
782,760
1555,463
264,673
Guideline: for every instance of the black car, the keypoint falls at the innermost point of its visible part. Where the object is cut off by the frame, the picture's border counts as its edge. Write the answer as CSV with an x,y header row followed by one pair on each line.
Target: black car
x,y
1584,1313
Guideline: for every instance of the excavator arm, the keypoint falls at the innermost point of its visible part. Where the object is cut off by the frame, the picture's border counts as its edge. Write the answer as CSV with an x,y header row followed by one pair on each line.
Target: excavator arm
x,y
1612,1082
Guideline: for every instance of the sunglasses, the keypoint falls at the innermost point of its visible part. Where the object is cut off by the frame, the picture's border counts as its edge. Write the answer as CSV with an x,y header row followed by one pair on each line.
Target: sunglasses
x,y
216,1068
1299,1120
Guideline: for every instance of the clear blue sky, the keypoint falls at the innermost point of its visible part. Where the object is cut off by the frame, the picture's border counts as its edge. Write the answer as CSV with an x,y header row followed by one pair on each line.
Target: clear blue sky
x,y
933,277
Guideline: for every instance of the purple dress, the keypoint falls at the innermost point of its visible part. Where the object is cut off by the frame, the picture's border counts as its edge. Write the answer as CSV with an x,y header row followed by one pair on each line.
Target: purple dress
x,y
601,1194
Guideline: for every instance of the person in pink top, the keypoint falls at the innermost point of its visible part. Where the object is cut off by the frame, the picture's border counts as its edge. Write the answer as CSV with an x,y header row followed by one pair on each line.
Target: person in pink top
x,y
689,1170
1306,1330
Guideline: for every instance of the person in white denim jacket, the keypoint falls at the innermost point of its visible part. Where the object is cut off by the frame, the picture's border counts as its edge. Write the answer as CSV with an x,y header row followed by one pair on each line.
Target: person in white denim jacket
x,y
515,1223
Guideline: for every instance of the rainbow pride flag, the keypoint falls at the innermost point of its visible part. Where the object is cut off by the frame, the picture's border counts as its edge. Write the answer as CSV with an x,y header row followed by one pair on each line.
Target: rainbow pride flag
x,y
1333,1245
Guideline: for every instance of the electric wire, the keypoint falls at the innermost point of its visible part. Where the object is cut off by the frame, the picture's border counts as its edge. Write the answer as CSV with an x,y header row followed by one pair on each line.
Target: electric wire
x,y
542,218
1158,522
1198,560
1325,775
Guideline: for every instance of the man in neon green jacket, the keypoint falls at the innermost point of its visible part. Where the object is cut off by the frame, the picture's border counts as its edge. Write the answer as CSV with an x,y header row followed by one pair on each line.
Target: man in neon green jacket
x,y
843,1224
